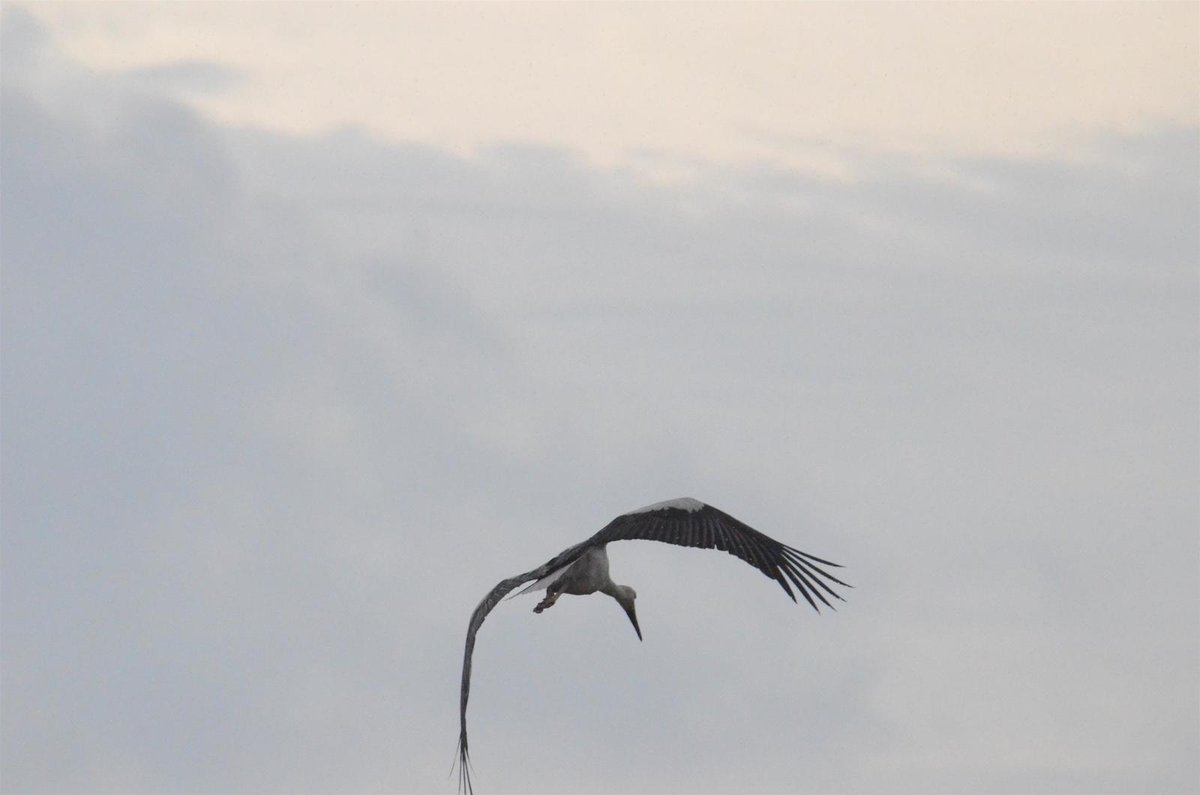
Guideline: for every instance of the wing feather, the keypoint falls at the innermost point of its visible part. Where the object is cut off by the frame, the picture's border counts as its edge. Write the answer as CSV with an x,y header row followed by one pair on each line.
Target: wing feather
x,y
484,607
691,523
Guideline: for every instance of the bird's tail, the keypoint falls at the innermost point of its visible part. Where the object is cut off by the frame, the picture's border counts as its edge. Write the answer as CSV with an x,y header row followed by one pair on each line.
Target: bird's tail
x,y
539,584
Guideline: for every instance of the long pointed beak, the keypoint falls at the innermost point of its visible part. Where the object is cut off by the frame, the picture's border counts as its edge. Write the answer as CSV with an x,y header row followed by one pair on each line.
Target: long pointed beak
x,y
632,613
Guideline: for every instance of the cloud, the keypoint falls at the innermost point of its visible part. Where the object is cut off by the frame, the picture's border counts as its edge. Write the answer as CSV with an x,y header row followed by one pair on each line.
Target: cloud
x,y
806,84
278,410
187,76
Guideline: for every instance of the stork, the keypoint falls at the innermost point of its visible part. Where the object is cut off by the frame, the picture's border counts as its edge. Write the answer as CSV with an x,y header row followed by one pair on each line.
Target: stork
x,y
583,569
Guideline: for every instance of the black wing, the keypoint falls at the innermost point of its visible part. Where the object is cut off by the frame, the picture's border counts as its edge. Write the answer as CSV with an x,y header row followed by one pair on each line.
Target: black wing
x,y
481,611
690,523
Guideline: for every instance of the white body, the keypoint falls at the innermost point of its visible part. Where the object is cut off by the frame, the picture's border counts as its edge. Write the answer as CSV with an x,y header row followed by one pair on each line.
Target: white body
x,y
586,575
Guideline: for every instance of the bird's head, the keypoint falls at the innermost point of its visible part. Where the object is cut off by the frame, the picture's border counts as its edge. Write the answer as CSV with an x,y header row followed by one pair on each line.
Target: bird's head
x,y
626,596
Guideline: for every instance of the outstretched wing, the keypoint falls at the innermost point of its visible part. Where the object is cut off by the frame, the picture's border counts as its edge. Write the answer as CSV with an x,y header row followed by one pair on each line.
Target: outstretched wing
x,y
687,522
493,597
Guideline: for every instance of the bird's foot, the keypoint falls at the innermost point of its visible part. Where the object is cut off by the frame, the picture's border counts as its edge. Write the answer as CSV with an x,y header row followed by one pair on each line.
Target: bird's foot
x,y
547,602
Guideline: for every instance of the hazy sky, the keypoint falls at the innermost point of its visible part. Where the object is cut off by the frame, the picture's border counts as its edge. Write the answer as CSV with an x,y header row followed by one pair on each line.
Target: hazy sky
x,y
319,320
811,84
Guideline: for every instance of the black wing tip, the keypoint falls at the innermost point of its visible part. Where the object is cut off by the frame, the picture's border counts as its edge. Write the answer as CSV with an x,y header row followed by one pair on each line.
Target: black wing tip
x,y
812,558
464,769
783,584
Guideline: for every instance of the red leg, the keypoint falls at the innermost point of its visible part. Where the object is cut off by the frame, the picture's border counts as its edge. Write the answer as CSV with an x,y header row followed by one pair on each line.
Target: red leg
x,y
549,601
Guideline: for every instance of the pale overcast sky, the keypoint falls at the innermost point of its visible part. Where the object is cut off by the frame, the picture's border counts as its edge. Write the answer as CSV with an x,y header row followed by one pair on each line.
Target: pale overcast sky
x,y
320,319
797,83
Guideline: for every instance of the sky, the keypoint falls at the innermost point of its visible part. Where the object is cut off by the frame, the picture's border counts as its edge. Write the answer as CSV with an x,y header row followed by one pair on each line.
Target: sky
x,y
319,320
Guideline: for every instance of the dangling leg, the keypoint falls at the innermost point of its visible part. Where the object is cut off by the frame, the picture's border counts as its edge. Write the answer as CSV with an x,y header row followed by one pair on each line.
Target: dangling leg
x,y
551,598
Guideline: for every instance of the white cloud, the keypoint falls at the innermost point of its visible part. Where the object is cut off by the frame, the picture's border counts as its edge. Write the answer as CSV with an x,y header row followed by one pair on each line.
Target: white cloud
x,y
278,410
810,85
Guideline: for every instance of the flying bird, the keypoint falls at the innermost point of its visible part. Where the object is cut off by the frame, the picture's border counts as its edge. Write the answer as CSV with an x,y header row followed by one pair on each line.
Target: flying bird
x,y
583,569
